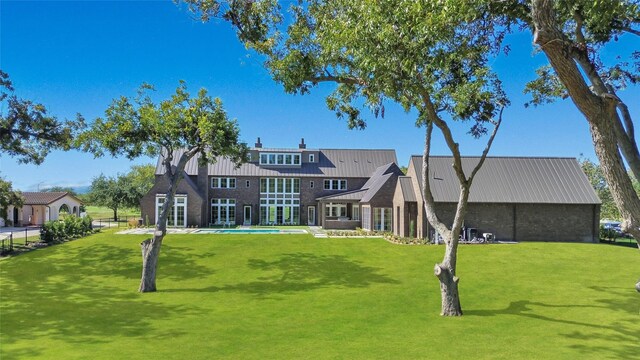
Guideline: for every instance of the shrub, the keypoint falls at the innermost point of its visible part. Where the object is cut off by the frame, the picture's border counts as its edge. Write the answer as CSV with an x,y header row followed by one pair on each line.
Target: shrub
x,y
70,227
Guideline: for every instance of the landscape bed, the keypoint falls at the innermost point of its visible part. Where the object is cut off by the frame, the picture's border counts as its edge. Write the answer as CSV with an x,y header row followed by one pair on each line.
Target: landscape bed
x,y
298,296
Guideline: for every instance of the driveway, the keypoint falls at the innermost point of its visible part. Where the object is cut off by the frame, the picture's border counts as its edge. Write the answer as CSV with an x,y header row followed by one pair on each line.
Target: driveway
x,y
19,232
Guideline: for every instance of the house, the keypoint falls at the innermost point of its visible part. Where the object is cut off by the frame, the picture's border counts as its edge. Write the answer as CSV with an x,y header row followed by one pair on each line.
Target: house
x,y
334,188
40,207
512,198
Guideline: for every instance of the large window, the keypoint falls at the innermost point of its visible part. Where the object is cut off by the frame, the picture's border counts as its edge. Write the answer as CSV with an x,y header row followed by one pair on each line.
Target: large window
x,y
335,210
355,212
280,201
279,159
335,184
223,211
366,217
382,219
177,214
223,183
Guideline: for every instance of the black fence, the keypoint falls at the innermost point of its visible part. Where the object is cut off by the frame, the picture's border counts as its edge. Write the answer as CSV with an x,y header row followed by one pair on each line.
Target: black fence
x,y
6,244
123,221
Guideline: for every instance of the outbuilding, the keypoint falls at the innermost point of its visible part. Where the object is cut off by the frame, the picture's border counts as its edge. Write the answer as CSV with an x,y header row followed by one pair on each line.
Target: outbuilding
x,y
512,198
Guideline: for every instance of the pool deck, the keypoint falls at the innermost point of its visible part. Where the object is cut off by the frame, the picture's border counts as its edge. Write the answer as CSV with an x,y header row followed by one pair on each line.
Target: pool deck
x,y
214,231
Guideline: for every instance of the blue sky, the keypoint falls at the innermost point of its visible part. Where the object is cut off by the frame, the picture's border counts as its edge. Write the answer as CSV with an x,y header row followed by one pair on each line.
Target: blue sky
x,y
75,57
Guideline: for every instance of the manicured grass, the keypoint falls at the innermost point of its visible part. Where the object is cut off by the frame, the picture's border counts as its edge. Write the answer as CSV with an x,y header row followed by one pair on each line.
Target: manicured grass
x,y
101,212
295,296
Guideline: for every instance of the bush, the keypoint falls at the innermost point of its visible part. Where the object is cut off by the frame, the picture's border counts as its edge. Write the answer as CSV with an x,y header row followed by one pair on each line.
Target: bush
x,y
70,227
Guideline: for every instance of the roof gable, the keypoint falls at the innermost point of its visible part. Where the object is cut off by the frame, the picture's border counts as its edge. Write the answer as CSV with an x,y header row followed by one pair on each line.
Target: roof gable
x,y
44,198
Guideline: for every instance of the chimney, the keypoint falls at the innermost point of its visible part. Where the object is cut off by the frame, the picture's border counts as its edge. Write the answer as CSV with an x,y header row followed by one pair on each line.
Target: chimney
x,y
302,144
258,144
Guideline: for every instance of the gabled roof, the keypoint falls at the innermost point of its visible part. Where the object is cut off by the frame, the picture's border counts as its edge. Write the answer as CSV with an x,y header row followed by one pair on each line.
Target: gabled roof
x,y
406,186
369,190
44,198
349,195
344,163
511,180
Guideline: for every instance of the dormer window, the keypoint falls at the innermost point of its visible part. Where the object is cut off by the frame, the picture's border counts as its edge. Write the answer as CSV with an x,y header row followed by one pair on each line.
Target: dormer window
x,y
279,159
312,158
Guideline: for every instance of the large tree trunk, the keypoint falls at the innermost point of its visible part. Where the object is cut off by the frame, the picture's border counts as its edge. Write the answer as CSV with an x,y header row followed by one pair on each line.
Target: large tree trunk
x,y
151,247
600,108
150,255
115,214
446,273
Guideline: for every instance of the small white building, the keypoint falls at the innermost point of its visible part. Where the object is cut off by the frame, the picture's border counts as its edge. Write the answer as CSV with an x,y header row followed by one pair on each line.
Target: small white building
x,y
40,207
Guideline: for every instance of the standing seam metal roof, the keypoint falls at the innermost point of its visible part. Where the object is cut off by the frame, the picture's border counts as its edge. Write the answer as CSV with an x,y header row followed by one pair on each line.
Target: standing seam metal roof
x,y
344,163
511,180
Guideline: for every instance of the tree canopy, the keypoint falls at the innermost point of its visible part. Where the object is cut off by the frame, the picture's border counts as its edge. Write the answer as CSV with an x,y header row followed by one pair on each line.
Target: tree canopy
x,y
177,129
27,132
8,196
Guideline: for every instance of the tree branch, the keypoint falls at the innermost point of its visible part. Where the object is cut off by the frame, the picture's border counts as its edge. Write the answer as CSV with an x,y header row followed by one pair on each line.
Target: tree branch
x,y
446,132
429,202
337,79
488,147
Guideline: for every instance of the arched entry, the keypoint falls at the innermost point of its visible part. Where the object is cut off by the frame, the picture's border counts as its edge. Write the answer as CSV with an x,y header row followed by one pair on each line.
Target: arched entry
x,y
64,209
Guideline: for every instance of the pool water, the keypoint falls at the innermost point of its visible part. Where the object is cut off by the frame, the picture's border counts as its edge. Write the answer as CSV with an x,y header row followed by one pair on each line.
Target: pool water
x,y
250,231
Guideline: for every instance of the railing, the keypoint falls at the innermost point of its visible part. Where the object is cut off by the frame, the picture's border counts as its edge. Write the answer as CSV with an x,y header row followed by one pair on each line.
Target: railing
x,y
6,244
122,221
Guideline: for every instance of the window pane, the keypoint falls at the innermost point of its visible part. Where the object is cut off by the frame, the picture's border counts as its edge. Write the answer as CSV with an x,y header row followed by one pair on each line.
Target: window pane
x,y
343,184
327,184
296,186
280,159
272,185
296,159
232,214
232,183
272,159
263,185
287,159
280,187
263,158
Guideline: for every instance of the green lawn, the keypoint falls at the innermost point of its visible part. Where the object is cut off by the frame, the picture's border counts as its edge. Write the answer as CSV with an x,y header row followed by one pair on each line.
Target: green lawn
x,y
295,296
101,212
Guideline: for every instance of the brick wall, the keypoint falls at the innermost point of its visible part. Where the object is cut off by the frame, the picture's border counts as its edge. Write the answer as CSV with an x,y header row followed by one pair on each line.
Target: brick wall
x,y
194,201
529,222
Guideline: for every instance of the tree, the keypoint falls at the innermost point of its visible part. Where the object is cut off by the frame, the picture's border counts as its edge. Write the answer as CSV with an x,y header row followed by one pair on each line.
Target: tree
x,y
139,180
67,189
26,131
608,209
110,192
8,196
376,52
135,127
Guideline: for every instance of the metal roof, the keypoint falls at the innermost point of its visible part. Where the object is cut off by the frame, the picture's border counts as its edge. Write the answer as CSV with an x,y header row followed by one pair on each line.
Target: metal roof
x,y
343,163
370,189
349,195
406,186
43,198
511,180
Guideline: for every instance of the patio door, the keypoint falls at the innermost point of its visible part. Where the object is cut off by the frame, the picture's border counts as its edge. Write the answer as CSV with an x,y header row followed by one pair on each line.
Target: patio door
x,y
312,215
247,215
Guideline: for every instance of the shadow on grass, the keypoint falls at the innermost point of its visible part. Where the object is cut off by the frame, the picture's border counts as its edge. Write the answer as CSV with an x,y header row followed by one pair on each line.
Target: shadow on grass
x,y
624,333
304,272
87,294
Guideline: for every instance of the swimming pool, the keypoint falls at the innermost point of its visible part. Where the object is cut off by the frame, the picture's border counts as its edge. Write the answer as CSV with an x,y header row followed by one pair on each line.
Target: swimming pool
x,y
250,231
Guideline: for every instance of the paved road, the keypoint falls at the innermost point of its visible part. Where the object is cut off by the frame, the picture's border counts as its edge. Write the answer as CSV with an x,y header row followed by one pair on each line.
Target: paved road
x,y
19,232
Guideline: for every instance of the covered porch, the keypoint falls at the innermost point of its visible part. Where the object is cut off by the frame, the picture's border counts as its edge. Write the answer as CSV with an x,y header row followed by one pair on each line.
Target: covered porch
x,y
341,211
